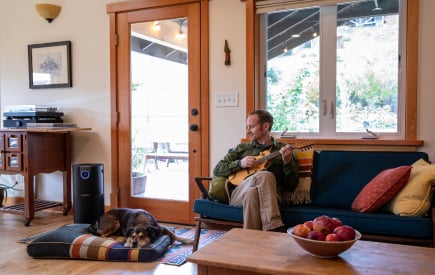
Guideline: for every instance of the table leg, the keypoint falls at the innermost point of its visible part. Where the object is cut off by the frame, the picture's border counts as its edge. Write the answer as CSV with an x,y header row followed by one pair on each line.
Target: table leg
x,y
29,198
67,173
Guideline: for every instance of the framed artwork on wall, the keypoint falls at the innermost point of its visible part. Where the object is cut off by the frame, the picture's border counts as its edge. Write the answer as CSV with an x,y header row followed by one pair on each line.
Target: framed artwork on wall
x,y
50,65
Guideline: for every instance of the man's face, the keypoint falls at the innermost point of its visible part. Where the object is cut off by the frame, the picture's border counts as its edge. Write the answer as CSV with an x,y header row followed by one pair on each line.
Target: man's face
x,y
255,130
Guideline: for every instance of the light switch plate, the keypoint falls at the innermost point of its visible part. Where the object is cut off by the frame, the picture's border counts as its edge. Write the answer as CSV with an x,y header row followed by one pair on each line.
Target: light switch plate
x,y
230,99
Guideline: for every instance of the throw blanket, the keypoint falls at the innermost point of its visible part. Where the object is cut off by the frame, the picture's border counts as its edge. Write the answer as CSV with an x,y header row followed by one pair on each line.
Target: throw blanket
x,y
301,195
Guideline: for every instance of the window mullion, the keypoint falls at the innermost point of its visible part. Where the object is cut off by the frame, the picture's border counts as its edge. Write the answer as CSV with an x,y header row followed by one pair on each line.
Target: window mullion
x,y
328,52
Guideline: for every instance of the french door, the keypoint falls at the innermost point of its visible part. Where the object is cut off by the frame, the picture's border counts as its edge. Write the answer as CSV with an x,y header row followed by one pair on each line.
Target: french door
x,y
160,102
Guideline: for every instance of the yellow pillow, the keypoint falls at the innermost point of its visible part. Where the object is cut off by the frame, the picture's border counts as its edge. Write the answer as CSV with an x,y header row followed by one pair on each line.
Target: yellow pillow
x,y
414,198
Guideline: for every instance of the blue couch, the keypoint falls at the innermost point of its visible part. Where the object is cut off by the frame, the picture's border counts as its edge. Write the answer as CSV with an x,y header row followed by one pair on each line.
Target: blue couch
x,y
337,178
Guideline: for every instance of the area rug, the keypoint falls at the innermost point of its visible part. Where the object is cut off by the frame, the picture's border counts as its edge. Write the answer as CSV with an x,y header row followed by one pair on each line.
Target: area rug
x,y
178,253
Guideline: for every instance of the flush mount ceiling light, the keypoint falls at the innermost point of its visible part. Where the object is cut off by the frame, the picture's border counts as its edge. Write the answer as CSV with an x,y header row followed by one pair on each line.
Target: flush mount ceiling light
x,y
48,11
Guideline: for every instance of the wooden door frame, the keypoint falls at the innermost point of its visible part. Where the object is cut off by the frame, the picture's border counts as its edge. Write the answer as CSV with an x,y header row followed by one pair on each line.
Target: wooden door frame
x,y
119,9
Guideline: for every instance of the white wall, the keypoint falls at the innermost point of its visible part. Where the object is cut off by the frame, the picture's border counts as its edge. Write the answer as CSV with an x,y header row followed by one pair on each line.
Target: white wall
x,y
87,103
86,24
426,74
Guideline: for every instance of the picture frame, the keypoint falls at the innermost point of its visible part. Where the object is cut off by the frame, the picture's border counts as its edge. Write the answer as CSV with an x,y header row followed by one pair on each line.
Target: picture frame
x,y
50,65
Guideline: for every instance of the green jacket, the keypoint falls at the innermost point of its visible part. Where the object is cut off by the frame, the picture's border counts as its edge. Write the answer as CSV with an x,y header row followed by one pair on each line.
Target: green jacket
x,y
286,174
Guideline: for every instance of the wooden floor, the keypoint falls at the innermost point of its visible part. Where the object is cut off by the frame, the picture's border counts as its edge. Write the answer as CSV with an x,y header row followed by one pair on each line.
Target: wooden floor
x,y
14,258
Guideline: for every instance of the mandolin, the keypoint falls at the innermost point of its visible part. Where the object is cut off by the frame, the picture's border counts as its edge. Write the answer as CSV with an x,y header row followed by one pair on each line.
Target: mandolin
x,y
263,162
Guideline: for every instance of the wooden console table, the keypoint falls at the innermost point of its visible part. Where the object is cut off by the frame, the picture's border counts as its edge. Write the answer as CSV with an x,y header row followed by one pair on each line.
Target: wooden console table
x,y
243,251
32,151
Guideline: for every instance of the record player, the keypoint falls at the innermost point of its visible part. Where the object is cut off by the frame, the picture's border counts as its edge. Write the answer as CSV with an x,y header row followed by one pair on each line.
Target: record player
x,y
18,116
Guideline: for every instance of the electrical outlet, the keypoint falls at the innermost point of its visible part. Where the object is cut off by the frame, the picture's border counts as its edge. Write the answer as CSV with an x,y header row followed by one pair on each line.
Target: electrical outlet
x,y
227,99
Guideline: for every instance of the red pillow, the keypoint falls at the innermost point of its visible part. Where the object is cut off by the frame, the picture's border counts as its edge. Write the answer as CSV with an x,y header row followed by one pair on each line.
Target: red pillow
x,y
381,189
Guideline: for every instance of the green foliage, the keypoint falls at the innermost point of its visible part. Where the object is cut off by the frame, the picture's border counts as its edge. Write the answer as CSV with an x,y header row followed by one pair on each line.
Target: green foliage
x,y
369,101
137,154
295,105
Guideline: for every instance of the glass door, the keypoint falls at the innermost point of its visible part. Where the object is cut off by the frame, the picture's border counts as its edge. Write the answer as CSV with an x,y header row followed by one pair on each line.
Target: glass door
x,y
159,104
159,101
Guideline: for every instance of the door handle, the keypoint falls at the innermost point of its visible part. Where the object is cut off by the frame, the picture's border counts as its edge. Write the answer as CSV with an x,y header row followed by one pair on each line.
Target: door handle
x,y
194,127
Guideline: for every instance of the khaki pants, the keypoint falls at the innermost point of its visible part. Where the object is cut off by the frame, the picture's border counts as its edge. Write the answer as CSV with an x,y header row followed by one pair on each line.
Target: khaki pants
x,y
260,201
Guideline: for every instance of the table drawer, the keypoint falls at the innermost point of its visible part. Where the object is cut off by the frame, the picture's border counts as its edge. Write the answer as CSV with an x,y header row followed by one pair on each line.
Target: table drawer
x,y
13,142
13,162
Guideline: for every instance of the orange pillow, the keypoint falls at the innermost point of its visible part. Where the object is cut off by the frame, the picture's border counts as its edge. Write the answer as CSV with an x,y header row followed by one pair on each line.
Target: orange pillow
x,y
381,189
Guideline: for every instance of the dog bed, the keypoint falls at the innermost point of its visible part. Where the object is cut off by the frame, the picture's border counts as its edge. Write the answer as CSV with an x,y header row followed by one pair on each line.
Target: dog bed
x,y
73,241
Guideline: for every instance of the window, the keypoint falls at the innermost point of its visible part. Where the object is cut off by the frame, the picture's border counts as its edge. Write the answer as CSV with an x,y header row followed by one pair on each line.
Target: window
x,y
335,70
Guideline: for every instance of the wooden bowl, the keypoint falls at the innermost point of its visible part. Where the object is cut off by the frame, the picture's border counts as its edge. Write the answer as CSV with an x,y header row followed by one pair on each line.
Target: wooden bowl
x,y
324,249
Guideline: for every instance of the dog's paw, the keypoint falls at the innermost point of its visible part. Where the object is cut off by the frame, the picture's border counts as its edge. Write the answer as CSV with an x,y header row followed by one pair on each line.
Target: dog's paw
x,y
128,243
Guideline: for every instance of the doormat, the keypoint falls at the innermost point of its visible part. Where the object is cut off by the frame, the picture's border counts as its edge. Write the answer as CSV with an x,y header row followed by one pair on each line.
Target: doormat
x,y
178,252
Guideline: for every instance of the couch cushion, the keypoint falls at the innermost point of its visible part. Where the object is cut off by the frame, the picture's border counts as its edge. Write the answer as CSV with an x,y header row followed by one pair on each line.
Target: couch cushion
x,y
218,210
415,197
74,241
338,176
368,223
381,189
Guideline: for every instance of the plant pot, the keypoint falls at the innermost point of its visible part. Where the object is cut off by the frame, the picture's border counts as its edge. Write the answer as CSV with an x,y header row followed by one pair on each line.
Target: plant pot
x,y
138,183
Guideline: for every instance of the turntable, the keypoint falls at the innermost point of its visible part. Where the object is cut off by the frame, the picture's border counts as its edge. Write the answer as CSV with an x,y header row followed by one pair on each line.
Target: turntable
x,y
18,116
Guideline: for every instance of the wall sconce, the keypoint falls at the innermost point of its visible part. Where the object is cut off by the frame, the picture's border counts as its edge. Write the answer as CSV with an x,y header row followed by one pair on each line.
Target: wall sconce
x,y
48,11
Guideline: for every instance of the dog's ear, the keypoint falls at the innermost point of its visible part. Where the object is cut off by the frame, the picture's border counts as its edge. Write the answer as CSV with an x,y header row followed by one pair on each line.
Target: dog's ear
x,y
154,232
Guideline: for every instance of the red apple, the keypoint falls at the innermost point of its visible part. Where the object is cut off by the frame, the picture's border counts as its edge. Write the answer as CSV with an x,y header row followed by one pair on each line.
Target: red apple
x,y
345,232
322,224
316,235
301,230
336,222
309,224
332,237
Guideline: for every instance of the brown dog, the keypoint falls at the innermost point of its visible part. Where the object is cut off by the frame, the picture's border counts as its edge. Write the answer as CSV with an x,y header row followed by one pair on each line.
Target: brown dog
x,y
137,225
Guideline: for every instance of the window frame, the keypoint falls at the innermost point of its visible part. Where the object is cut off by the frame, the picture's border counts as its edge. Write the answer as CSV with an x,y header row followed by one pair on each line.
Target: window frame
x,y
253,95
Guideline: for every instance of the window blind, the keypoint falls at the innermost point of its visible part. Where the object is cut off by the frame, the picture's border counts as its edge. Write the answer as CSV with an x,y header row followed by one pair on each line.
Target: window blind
x,y
278,5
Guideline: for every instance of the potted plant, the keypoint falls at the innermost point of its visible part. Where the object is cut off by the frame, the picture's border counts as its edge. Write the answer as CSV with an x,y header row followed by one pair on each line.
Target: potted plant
x,y
138,175
4,192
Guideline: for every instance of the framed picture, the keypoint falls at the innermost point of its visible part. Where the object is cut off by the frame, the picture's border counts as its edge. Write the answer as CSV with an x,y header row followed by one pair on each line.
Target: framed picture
x,y
50,65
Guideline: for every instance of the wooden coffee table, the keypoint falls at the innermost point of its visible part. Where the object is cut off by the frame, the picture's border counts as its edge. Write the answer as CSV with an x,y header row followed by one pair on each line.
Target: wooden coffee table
x,y
243,251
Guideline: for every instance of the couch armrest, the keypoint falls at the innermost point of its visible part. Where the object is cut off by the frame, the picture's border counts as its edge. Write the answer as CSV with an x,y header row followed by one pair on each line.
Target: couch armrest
x,y
201,186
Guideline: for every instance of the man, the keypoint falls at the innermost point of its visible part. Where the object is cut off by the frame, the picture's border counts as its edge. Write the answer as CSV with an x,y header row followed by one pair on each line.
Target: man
x,y
260,193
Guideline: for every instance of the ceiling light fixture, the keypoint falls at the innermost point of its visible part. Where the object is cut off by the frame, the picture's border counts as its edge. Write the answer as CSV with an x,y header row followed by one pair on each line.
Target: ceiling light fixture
x,y
48,11
181,34
377,8
156,26
284,50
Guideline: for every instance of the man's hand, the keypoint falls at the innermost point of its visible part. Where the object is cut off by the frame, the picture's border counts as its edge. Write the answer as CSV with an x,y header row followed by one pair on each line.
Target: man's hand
x,y
286,153
248,162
